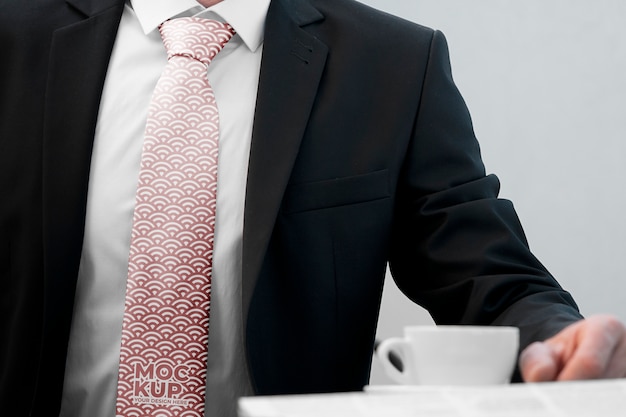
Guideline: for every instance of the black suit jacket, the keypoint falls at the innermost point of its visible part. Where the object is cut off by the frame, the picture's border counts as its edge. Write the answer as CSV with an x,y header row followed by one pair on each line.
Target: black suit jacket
x,y
362,153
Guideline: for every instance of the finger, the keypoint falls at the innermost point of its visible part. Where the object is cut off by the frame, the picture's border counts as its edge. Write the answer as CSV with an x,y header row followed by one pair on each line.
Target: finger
x,y
540,362
617,365
597,345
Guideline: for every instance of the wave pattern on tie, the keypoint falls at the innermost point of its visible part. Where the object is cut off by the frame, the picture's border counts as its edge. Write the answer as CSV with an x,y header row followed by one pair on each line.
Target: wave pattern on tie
x,y
165,328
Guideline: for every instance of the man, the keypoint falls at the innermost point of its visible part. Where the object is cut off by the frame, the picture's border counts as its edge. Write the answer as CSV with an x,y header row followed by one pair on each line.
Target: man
x,y
344,145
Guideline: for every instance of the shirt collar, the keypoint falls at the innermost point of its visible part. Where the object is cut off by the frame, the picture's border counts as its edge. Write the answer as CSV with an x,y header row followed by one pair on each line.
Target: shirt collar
x,y
247,17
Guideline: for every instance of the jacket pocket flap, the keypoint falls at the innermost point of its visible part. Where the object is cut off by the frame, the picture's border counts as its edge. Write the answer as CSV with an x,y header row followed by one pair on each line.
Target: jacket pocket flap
x,y
336,192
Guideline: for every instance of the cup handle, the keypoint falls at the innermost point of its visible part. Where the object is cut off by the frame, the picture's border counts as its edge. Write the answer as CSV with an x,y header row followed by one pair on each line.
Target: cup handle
x,y
399,347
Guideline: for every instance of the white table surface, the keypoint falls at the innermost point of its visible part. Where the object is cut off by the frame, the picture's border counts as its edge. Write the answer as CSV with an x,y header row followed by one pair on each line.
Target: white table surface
x,y
603,398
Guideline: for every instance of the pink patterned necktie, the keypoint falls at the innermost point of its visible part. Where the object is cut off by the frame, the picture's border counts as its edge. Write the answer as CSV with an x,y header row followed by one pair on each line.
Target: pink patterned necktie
x,y
165,329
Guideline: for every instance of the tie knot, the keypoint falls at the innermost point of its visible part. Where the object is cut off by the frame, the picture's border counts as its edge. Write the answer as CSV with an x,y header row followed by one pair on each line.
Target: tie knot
x,y
196,38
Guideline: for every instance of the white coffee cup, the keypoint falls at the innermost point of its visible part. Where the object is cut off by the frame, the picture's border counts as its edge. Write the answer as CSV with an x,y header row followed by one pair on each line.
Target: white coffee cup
x,y
452,355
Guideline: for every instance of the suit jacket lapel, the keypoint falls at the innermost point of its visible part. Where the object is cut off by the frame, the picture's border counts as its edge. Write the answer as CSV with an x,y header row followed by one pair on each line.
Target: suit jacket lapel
x,y
292,65
78,61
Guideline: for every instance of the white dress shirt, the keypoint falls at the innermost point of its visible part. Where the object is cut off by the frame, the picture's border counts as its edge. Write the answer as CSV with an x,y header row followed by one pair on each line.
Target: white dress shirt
x,y
137,61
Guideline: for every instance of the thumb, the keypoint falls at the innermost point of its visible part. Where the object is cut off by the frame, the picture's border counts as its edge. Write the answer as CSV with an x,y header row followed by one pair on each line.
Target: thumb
x,y
540,362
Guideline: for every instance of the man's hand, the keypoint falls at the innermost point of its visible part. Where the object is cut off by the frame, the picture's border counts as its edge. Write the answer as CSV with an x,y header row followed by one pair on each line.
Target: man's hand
x,y
589,349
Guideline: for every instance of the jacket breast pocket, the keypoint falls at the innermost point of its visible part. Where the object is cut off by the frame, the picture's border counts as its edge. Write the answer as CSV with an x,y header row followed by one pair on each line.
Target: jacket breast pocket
x,y
336,192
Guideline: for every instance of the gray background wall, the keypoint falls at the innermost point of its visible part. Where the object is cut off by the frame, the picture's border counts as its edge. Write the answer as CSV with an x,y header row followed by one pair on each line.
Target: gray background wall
x,y
545,83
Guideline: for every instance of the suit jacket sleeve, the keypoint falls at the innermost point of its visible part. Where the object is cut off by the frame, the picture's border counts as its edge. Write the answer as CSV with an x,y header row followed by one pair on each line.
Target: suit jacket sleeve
x,y
457,249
